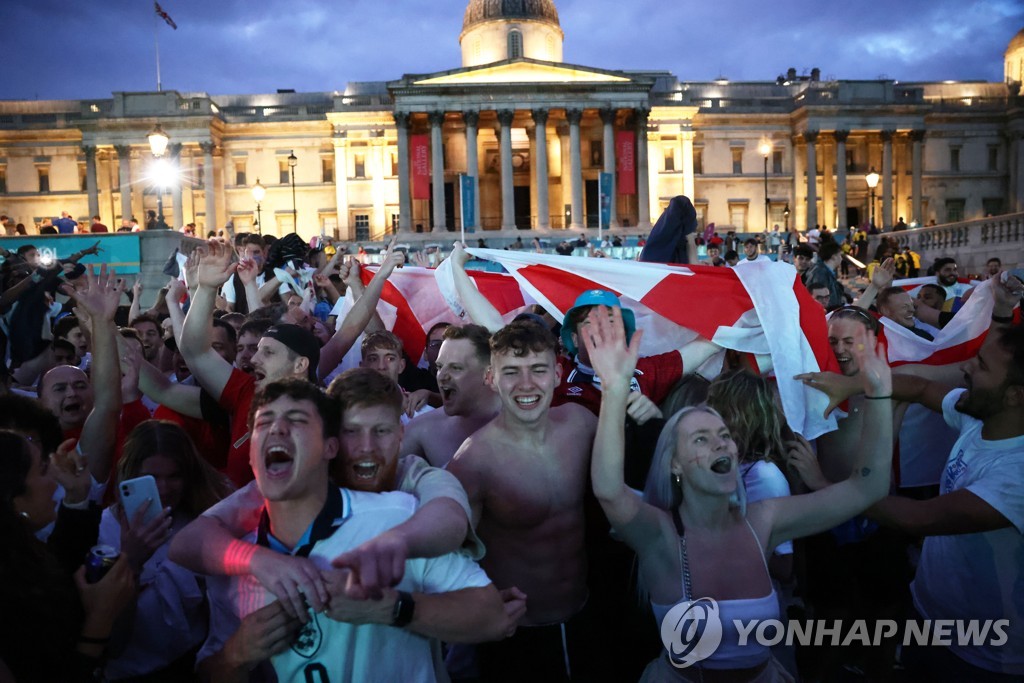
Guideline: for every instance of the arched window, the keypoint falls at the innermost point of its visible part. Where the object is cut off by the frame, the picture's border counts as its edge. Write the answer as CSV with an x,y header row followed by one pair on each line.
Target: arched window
x,y
515,44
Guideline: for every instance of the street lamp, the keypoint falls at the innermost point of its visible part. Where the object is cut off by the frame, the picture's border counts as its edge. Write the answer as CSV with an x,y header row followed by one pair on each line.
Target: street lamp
x,y
766,150
292,161
258,193
785,215
872,180
158,140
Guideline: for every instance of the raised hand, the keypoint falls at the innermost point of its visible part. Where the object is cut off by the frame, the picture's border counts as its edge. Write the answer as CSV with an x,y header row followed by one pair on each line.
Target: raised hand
x,y
604,336
94,249
875,372
350,273
176,291
71,471
801,459
421,259
459,256
641,408
100,296
215,265
393,257
837,387
247,270
883,275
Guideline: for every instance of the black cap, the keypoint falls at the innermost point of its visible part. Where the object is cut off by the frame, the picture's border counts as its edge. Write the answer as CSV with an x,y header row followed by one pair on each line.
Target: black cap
x,y
299,340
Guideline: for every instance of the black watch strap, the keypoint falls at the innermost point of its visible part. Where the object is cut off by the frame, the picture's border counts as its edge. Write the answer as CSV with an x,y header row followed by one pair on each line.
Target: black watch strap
x,y
404,608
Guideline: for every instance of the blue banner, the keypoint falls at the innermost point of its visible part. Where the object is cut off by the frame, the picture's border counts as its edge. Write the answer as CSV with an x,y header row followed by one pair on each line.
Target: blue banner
x,y
468,203
605,184
118,250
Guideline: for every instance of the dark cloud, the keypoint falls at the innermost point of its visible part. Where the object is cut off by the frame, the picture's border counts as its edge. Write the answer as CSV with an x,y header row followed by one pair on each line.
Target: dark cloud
x,y
69,49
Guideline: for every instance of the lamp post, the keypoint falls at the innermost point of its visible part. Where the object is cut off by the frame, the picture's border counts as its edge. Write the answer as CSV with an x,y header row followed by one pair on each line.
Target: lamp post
x,y
872,180
158,140
785,216
258,193
766,150
292,161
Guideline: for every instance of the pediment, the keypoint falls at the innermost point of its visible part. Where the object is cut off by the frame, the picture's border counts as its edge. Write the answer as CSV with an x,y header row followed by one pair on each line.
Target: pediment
x,y
522,71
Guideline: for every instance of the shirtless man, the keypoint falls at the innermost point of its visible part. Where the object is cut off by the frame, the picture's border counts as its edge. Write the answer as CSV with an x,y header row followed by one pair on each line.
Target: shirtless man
x,y
525,473
469,403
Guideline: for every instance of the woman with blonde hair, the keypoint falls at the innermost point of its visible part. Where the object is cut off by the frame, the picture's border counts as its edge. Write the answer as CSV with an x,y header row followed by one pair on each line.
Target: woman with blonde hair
x,y
698,545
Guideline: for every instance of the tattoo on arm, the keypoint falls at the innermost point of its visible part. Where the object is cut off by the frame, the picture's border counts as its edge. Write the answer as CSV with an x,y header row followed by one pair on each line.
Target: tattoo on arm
x,y
865,471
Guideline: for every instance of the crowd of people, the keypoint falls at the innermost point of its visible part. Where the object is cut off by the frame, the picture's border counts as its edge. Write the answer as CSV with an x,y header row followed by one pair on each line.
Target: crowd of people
x,y
530,500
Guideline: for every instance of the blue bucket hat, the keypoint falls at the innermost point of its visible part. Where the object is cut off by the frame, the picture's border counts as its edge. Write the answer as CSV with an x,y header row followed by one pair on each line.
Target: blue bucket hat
x,y
595,297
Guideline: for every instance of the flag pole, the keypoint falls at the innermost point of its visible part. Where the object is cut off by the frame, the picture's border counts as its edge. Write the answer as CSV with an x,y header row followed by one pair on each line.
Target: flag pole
x,y
156,41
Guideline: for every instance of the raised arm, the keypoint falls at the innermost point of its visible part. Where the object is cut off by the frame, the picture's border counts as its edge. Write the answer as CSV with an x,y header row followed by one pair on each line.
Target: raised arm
x,y
361,313
797,516
211,371
247,271
614,362
477,306
99,300
881,279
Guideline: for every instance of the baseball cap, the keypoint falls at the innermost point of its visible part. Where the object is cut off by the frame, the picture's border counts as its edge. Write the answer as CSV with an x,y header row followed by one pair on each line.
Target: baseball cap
x,y
300,341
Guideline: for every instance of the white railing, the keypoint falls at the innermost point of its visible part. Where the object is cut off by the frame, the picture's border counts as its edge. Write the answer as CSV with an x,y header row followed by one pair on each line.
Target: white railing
x,y
971,243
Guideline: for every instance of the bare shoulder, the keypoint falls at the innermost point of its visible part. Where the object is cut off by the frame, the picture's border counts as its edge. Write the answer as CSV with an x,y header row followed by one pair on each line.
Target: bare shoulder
x,y
574,416
471,455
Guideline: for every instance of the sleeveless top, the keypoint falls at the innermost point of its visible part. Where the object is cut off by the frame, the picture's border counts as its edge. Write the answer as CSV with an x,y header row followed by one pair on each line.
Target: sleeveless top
x,y
730,655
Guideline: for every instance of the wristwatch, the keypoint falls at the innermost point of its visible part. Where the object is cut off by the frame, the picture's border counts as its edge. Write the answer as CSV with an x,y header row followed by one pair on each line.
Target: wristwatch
x,y
404,608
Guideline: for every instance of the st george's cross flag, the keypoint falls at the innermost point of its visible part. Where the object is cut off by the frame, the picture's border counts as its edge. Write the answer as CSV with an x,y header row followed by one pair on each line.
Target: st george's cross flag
x,y
163,15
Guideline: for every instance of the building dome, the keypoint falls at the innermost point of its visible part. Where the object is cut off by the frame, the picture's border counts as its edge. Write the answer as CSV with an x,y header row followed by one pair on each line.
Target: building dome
x,y
496,30
1013,59
480,11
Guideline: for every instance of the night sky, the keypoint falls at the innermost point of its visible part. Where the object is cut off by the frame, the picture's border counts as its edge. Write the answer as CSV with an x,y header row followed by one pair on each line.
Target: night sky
x,y
69,49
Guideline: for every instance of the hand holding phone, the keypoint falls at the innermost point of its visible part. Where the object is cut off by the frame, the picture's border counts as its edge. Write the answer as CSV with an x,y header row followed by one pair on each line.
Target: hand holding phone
x,y
135,492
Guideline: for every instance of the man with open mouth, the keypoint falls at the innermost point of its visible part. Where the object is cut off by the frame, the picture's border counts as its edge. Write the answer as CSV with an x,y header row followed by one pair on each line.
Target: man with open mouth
x,y
333,636
469,403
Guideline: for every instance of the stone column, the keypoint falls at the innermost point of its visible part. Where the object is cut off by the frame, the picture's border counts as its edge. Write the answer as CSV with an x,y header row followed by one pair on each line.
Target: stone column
x,y
436,119
380,218
810,137
643,183
177,208
340,141
540,168
689,182
508,204
574,116
404,189
886,136
827,185
608,119
91,187
916,138
1017,185
472,119
209,192
841,136
124,180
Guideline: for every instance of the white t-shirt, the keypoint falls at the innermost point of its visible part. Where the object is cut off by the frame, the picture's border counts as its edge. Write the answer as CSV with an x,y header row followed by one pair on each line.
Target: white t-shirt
x,y
924,444
338,651
981,575
763,479
759,259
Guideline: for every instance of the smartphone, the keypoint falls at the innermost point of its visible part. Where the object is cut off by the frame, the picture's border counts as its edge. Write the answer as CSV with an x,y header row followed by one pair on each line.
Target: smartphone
x,y
135,492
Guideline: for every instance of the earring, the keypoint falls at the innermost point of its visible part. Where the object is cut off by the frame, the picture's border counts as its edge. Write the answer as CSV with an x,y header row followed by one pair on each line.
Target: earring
x,y
677,480
23,514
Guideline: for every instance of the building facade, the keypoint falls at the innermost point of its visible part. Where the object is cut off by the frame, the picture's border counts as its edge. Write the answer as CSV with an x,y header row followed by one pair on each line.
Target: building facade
x,y
532,134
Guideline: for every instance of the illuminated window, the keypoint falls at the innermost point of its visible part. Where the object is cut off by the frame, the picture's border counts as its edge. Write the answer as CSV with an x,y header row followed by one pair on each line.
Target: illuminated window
x,y
284,177
240,173
83,179
737,160
394,164
698,161
670,159
327,169
360,165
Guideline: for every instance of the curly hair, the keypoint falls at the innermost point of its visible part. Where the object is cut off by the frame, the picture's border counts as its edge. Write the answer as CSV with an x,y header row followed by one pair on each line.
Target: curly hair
x,y
746,403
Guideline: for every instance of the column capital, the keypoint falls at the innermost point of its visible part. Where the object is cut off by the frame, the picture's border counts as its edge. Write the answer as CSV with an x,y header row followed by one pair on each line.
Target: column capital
x,y
401,120
917,136
505,117
810,136
207,147
436,118
608,115
540,116
841,135
886,135
574,116
641,114
123,151
472,118
90,151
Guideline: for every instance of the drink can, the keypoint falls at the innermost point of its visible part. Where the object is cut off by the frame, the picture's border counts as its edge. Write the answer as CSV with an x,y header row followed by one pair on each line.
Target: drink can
x,y
99,560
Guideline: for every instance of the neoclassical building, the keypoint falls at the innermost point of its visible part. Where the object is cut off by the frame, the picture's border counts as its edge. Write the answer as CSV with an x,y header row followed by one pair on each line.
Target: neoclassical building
x,y
532,135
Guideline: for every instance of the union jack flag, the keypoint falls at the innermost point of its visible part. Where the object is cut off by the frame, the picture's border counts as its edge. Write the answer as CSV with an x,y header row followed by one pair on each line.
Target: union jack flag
x,y
163,15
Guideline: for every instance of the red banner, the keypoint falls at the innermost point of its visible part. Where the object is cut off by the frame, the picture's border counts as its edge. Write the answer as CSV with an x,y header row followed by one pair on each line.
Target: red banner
x,y
419,162
625,155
